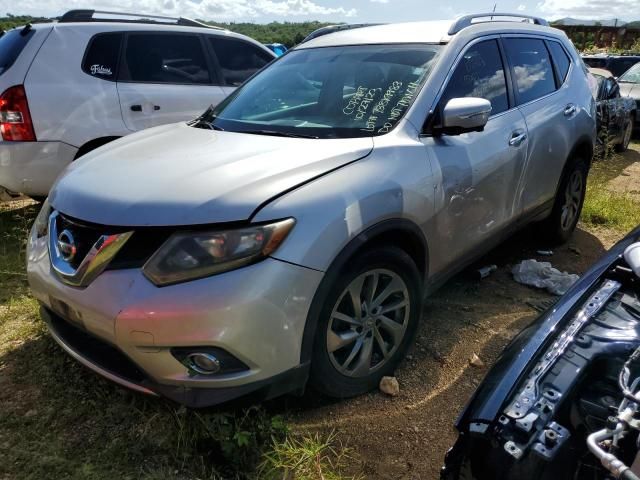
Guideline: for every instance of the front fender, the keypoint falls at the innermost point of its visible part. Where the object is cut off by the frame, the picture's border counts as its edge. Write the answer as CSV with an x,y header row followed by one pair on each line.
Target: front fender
x,y
393,182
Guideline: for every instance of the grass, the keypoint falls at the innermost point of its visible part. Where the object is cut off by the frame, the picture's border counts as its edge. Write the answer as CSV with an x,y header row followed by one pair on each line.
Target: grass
x,y
58,420
603,206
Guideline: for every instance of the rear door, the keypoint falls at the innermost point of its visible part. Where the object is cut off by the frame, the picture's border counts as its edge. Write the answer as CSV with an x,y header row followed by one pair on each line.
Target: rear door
x,y
237,59
165,77
545,100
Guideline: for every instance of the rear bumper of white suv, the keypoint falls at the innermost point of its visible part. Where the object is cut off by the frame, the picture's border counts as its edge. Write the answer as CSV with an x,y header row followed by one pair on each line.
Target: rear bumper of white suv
x,y
32,167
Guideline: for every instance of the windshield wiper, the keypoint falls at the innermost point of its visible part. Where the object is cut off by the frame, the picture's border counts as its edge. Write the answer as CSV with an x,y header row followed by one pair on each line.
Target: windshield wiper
x,y
276,133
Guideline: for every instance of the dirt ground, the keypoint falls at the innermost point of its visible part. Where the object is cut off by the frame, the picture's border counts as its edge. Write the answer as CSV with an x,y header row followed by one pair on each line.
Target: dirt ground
x,y
406,437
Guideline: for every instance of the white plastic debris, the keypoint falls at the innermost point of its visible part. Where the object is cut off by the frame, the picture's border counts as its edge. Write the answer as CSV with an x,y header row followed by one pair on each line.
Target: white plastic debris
x,y
543,275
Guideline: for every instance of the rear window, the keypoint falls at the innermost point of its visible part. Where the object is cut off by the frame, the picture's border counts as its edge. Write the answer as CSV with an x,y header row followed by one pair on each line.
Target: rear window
x,y
238,59
101,59
560,60
165,58
11,44
531,68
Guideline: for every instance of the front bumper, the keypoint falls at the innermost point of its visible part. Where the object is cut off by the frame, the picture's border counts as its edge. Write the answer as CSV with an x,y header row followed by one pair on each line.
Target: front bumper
x,y
256,313
32,167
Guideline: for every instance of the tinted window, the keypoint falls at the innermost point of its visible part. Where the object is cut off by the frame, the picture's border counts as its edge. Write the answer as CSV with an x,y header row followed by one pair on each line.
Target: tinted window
x,y
560,60
618,66
238,60
11,44
532,69
101,59
480,74
162,58
595,62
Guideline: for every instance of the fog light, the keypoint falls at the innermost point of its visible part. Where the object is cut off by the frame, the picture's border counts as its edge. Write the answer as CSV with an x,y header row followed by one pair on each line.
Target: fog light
x,y
204,363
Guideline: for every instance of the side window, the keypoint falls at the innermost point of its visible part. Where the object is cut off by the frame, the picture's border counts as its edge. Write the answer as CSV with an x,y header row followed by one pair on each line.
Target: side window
x,y
560,60
165,58
532,69
480,73
101,58
238,59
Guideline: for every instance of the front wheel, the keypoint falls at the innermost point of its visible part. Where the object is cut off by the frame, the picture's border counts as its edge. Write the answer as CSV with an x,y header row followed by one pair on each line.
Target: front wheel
x,y
626,138
568,203
367,322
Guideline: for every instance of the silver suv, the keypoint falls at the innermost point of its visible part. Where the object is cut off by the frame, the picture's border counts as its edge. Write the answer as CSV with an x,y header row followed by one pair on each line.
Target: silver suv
x,y
288,235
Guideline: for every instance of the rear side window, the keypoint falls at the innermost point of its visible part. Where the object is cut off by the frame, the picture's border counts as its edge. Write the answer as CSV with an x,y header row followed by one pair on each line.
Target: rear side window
x,y
560,60
163,58
532,68
11,44
101,59
238,59
480,73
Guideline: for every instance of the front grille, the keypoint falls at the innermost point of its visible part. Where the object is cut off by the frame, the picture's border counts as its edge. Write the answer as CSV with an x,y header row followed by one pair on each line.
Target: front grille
x,y
95,350
135,252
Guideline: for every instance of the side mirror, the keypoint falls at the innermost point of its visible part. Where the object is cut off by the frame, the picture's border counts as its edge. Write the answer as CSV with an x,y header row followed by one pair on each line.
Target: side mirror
x,y
467,114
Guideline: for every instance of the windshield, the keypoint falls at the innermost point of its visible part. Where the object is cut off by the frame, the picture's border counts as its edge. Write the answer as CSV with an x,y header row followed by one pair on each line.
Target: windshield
x,y
632,75
331,92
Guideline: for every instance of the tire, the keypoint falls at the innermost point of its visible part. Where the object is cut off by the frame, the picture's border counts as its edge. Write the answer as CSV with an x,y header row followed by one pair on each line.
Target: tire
x,y
628,132
557,228
344,331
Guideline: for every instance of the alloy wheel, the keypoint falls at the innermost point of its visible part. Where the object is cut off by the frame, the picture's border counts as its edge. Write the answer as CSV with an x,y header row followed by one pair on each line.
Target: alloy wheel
x,y
572,199
368,322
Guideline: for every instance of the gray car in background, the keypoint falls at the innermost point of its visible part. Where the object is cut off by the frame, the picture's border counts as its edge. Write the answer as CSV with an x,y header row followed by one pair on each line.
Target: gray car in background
x,y
289,234
630,87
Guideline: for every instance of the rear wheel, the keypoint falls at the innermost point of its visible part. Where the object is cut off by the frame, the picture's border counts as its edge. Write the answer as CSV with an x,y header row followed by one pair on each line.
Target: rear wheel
x,y
568,203
368,320
626,138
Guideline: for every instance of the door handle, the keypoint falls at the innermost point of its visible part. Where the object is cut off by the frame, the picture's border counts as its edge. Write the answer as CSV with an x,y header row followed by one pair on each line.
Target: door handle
x,y
156,107
136,108
569,110
517,138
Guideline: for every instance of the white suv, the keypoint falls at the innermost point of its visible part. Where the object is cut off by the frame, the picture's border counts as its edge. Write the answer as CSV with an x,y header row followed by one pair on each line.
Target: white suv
x,y
72,86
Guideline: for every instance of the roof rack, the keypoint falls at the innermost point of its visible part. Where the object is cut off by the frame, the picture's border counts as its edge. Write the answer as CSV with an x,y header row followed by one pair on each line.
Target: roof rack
x,y
90,16
468,20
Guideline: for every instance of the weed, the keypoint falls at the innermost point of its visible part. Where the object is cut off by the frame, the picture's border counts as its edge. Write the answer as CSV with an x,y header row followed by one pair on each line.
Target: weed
x,y
606,207
306,458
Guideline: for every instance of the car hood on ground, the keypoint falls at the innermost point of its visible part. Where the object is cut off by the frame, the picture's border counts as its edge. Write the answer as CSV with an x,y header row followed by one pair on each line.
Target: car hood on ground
x,y
630,90
180,175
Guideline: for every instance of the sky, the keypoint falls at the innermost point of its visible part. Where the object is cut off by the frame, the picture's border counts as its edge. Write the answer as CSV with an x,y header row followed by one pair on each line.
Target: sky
x,y
350,11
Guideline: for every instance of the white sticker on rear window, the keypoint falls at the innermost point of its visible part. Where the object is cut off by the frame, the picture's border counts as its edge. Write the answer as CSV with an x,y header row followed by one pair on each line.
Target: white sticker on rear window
x,y
100,70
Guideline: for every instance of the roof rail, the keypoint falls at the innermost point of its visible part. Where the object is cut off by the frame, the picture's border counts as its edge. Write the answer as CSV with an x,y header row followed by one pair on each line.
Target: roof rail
x,y
468,20
90,16
337,28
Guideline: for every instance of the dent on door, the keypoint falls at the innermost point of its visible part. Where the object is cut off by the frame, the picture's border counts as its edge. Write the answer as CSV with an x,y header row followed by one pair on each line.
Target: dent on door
x,y
479,176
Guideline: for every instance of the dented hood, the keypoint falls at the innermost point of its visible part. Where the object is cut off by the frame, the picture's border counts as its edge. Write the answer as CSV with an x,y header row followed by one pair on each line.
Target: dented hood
x,y
181,175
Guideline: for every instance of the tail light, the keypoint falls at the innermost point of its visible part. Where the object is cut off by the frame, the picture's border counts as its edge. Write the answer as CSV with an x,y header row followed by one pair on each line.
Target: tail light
x,y
15,120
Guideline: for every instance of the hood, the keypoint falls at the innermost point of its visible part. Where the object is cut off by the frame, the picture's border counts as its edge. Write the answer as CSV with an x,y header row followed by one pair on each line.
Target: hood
x,y
181,175
630,90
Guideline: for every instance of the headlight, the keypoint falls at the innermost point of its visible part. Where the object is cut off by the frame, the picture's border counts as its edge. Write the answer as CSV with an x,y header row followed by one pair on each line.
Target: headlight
x,y
41,224
190,255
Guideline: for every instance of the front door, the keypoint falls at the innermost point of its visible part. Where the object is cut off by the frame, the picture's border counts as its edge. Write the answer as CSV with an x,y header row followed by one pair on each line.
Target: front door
x,y
477,172
165,78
